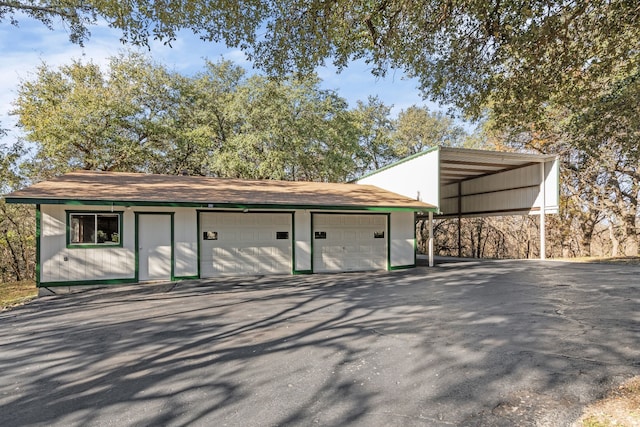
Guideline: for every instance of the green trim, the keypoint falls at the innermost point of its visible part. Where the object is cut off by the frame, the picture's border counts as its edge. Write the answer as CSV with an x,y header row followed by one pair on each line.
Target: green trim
x,y
38,243
199,245
173,248
388,242
399,162
88,282
312,240
107,282
94,245
301,272
127,203
137,243
91,246
293,242
415,241
402,267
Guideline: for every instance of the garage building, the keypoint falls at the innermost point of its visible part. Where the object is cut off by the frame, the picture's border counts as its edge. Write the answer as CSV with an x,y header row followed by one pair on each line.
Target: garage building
x,y
108,228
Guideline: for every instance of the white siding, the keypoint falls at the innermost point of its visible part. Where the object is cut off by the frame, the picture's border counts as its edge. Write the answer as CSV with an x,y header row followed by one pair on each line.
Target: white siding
x,y
185,233
402,239
108,263
514,190
515,178
417,178
552,186
303,240
59,263
186,244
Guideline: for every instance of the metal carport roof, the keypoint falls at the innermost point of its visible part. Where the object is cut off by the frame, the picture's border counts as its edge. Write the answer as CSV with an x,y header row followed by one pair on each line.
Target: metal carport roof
x,y
468,182
463,182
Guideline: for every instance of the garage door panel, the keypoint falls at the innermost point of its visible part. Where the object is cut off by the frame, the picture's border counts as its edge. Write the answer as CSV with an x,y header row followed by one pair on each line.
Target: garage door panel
x,y
351,250
379,251
350,243
229,220
280,221
352,220
366,250
350,236
246,243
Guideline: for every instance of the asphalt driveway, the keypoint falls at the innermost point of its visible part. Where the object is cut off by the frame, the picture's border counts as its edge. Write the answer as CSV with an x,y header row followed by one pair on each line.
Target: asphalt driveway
x,y
475,343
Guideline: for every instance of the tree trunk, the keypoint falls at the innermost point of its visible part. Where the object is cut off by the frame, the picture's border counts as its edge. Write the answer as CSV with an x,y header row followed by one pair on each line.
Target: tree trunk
x,y
585,242
630,236
615,243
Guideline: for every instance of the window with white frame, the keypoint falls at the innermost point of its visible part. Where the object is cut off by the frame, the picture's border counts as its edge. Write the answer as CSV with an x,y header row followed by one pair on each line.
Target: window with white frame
x,y
94,228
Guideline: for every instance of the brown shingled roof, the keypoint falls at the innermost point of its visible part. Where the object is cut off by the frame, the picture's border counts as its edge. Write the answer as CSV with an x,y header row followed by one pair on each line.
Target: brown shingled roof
x,y
123,188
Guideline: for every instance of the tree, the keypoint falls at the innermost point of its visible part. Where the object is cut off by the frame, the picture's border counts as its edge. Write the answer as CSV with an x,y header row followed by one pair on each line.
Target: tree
x,y
418,128
80,117
143,20
204,121
376,127
136,116
290,130
600,185
17,231
516,55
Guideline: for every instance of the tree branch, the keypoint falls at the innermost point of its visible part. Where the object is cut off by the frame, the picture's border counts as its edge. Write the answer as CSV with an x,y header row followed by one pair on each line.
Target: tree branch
x,y
39,9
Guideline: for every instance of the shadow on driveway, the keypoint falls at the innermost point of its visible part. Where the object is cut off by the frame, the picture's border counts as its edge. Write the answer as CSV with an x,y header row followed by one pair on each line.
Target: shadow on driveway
x,y
476,343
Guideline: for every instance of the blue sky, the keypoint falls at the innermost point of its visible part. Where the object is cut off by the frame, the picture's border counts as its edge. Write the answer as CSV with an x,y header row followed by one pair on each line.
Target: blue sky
x,y
25,47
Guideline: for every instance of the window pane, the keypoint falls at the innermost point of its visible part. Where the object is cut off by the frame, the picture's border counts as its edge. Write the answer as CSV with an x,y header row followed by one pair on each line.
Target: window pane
x,y
108,229
83,228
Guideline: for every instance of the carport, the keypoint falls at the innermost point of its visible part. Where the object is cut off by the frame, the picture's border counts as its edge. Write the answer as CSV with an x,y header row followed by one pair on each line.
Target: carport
x,y
475,183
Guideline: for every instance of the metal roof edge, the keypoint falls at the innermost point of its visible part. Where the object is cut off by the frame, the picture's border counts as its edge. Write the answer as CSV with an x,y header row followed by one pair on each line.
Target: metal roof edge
x,y
512,154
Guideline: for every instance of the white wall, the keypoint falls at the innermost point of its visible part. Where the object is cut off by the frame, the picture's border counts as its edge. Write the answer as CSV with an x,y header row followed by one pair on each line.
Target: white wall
x,y
59,263
416,178
513,190
186,242
552,186
510,190
302,245
402,237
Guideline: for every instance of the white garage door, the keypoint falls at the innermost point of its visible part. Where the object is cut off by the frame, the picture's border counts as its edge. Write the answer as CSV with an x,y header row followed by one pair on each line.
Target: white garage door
x,y
349,242
244,243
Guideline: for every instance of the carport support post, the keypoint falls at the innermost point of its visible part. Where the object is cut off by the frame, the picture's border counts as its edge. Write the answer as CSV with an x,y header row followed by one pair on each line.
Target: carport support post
x,y
430,239
543,208
460,219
